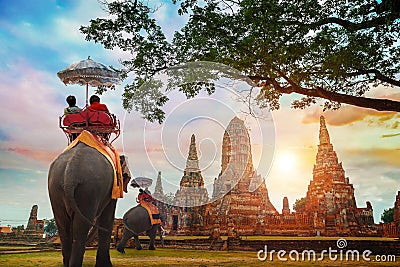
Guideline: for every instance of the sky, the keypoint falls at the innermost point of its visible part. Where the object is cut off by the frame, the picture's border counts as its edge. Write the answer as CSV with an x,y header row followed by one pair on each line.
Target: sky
x,y
40,38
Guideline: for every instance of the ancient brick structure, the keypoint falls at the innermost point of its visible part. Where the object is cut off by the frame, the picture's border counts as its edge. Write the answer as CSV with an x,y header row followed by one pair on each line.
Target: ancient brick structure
x,y
240,202
330,200
396,214
162,203
365,216
285,207
240,195
158,190
191,198
35,227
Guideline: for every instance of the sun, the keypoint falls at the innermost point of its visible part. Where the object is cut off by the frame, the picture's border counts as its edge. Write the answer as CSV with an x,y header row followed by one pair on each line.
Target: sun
x,y
286,161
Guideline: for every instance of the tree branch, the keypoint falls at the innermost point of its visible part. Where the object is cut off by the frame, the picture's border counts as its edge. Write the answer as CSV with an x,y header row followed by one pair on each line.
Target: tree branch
x,y
364,102
378,75
348,25
351,26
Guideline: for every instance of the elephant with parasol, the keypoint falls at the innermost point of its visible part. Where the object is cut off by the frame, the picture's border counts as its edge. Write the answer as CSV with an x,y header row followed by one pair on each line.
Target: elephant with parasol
x,y
81,179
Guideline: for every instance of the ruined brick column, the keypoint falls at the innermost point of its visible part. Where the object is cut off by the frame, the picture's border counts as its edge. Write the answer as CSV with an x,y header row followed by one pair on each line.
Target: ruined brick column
x,y
396,214
35,227
285,208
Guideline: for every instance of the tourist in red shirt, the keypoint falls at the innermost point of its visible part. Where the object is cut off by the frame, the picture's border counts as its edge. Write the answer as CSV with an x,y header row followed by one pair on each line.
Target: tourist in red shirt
x,y
95,104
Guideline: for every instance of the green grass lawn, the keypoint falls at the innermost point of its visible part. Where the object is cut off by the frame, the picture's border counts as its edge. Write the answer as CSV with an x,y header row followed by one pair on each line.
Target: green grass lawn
x,y
175,257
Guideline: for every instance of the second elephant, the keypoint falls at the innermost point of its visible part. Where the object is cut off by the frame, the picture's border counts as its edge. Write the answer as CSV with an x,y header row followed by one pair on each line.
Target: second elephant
x,y
137,220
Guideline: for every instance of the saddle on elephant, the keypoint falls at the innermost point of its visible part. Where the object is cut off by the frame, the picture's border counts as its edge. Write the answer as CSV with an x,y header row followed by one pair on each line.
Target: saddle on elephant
x,y
145,200
101,123
110,153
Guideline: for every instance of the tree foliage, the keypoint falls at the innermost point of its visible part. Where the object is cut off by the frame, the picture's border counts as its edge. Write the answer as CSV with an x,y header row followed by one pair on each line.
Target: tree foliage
x,y
299,204
387,215
333,50
50,227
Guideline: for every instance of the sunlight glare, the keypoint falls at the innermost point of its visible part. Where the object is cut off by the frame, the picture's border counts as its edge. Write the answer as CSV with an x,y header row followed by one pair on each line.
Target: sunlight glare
x,y
286,162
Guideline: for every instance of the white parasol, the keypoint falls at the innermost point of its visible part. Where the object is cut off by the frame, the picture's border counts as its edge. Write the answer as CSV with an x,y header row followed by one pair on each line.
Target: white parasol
x,y
88,72
142,181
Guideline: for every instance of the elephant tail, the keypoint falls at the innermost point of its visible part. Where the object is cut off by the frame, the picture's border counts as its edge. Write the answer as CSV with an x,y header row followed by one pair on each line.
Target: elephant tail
x,y
69,191
127,227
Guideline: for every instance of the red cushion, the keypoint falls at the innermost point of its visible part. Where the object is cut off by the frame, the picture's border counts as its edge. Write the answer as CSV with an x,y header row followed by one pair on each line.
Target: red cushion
x,y
93,117
73,118
99,117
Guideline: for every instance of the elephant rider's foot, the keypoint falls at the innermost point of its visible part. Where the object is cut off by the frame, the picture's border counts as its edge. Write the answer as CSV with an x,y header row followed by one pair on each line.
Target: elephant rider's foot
x,y
139,248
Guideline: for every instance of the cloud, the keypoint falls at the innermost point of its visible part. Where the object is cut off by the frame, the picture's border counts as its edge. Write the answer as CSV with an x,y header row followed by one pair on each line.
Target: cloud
x,y
389,135
32,105
154,149
395,125
377,183
19,191
366,157
348,114
35,154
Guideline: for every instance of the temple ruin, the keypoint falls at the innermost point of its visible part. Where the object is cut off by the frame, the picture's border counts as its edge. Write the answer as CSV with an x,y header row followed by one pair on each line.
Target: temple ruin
x,y
190,202
239,193
35,227
240,205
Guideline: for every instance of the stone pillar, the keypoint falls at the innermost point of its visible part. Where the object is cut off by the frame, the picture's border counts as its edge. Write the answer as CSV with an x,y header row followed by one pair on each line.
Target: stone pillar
x,y
34,228
32,219
285,209
396,213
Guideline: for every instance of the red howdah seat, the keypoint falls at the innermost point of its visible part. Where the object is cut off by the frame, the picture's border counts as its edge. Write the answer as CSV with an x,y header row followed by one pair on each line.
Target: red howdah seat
x,y
91,117
100,123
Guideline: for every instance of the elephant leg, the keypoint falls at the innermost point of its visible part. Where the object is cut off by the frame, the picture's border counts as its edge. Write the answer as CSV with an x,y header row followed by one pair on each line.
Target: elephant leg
x,y
137,242
161,236
64,226
126,235
106,220
152,234
80,232
65,233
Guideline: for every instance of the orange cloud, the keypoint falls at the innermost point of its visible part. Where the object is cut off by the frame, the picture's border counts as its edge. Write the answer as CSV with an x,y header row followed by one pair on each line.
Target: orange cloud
x,y
377,155
36,154
389,135
154,149
349,114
